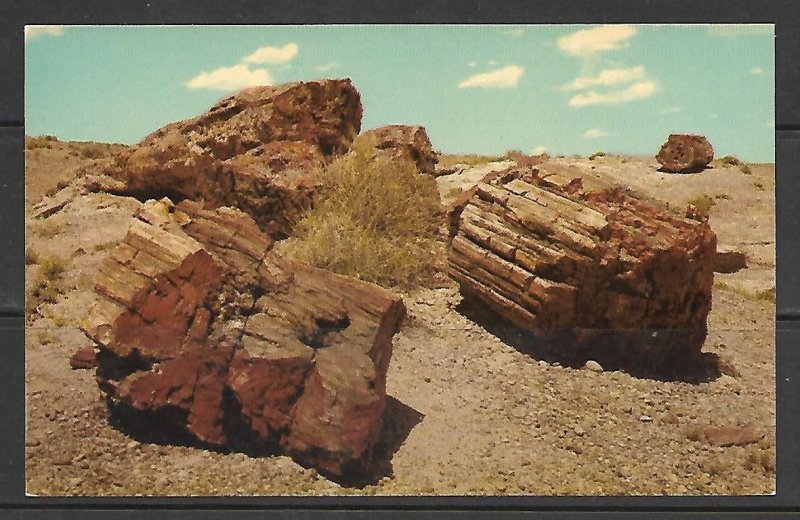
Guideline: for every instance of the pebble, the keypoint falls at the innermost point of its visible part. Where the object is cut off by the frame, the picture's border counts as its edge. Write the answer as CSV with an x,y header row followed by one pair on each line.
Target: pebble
x,y
593,365
646,418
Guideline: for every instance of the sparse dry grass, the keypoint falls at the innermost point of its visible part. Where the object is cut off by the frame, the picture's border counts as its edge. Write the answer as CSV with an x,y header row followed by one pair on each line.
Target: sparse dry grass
x,y
448,160
376,219
596,155
48,285
48,229
702,202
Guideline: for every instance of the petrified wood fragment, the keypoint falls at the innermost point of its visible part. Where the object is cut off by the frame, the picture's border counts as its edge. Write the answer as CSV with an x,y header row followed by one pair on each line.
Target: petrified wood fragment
x,y
596,274
201,327
685,153
407,142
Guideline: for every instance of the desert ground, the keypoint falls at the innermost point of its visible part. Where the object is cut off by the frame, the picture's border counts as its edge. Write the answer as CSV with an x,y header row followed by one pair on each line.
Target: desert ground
x,y
471,411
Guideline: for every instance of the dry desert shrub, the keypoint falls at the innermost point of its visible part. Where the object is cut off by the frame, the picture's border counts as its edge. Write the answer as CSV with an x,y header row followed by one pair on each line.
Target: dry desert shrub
x,y
375,218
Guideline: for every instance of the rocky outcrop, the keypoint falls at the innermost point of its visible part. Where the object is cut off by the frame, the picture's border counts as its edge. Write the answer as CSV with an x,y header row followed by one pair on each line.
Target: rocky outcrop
x,y
257,150
203,330
595,274
407,142
685,153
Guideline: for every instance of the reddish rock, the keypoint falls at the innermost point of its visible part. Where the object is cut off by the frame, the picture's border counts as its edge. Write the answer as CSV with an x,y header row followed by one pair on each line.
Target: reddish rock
x,y
83,358
407,142
685,153
729,260
257,150
207,332
598,274
732,435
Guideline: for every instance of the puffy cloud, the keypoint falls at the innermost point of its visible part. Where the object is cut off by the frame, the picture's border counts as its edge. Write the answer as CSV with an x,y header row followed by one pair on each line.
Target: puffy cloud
x,y
755,71
539,150
473,64
34,31
640,90
273,55
736,30
587,42
230,78
506,77
595,133
607,78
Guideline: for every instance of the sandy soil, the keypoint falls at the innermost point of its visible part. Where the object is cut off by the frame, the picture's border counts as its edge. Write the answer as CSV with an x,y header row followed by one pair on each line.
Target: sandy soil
x,y
471,410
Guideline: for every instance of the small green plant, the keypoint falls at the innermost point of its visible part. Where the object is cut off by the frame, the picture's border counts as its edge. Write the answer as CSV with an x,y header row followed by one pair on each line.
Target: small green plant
x,y
375,218
729,160
596,155
52,267
702,202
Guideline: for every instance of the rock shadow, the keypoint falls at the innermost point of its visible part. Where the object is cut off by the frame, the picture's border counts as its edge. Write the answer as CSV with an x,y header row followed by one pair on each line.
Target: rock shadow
x,y
150,427
696,169
557,348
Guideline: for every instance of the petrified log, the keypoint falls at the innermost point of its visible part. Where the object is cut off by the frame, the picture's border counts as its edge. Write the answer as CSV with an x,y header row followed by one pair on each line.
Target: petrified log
x,y
729,260
203,329
596,274
257,150
685,153
408,142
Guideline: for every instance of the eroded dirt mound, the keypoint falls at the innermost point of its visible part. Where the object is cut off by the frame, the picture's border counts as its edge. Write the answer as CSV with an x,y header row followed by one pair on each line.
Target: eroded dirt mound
x,y
202,332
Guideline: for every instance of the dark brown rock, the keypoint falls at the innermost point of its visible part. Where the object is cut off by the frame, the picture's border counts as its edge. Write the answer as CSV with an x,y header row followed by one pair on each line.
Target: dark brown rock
x,y
83,358
205,331
407,142
729,260
257,150
597,274
685,153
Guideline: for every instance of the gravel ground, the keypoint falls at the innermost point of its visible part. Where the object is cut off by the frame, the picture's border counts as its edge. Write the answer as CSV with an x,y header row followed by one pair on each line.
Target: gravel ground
x,y
470,412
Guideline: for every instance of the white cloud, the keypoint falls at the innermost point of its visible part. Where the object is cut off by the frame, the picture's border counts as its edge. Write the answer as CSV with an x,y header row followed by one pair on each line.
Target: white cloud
x,y
273,55
326,67
34,31
539,150
506,77
755,71
671,110
514,32
492,62
230,78
735,30
472,64
587,42
595,133
640,90
607,78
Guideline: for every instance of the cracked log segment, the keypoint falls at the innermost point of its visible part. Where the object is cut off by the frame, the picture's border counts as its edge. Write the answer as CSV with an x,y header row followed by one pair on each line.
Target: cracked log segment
x,y
593,273
685,153
406,142
201,329
258,150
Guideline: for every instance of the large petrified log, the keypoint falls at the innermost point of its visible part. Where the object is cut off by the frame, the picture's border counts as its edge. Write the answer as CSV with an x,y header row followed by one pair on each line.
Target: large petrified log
x,y
407,142
201,329
593,273
257,150
685,153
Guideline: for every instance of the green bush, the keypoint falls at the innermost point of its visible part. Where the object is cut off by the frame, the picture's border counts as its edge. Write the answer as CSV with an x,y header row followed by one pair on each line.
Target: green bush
x,y
702,202
52,267
374,218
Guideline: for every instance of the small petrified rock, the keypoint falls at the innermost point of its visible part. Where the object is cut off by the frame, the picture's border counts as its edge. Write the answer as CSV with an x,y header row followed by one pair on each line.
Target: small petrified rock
x,y
729,260
409,142
685,153
83,358
593,366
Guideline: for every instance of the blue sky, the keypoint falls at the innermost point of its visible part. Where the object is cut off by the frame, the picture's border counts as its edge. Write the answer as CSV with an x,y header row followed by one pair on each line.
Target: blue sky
x,y
478,89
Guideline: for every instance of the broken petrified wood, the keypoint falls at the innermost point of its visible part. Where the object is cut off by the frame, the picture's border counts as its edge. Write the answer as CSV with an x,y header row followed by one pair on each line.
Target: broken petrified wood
x,y
258,150
202,329
685,153
595,274
407,142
